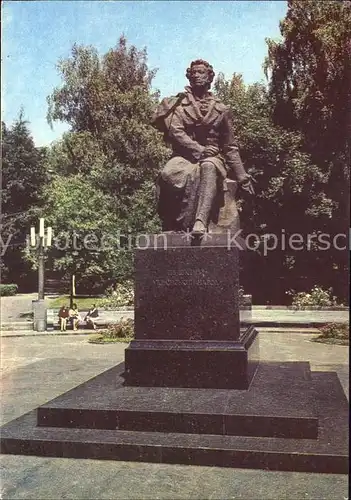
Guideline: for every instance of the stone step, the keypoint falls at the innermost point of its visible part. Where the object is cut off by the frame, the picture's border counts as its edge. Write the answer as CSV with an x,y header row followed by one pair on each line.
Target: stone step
x,y
195,411
16,325
327,454
33,333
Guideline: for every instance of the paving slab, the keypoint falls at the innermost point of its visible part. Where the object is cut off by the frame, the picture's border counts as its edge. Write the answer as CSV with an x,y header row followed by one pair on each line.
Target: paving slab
x,y
32,333
16,308
261,317
52,478
40,478
286,317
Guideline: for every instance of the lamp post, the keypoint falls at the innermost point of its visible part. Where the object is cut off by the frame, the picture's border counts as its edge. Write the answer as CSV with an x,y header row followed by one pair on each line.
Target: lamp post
x,y
40,242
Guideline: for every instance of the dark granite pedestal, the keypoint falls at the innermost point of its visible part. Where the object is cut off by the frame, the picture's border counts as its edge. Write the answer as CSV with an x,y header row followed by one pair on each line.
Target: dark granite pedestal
x,y
187,325
198,364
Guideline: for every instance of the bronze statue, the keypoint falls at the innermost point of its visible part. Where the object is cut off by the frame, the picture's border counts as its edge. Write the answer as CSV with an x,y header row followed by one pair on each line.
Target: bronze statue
x,y
199,128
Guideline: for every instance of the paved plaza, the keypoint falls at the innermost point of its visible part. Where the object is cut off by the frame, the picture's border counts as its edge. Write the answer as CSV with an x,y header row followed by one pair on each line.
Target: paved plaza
x,y
38,369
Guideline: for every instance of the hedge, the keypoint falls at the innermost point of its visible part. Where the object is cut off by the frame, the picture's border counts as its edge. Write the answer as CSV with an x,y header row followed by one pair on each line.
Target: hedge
x,y
8,290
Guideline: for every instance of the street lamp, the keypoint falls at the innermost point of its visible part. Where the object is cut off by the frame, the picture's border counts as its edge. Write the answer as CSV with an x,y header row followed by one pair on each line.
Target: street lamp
x,y
40,242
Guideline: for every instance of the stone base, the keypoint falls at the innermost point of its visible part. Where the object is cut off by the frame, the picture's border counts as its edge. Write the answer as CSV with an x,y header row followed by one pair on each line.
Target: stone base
x,y
225,215
290,419
39,315
197,364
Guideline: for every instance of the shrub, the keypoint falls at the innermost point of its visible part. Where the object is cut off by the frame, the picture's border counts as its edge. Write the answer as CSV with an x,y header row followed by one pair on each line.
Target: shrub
x,y
317,297
121,295
334,333
8,290
123,331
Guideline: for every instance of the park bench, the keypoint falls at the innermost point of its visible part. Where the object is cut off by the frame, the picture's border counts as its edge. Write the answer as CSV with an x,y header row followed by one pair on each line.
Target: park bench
x,y
106,317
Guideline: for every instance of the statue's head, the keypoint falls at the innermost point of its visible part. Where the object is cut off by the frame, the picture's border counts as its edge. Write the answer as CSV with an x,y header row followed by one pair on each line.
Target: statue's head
x,y
200,74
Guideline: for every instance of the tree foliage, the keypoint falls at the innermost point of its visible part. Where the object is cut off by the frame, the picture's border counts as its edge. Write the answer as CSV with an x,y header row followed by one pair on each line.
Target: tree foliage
x,y
275,157
86,238
285,177
310,85
108,103
310,90
110,157
23,177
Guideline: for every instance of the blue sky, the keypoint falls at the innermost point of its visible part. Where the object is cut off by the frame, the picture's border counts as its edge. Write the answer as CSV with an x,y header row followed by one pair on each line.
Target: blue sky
x,y
35,35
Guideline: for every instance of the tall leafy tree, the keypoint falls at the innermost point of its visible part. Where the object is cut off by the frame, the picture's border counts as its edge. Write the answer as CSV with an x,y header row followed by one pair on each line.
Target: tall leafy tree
x,y
23,178
108,101
310,73
111,149
87,245
310,87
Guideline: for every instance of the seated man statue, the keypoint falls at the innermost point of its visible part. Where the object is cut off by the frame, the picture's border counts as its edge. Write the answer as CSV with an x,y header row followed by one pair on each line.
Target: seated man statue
x,y
199,128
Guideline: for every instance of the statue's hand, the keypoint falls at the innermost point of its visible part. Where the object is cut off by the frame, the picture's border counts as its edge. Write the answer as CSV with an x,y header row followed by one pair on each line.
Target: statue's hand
x,y
210,151
247,184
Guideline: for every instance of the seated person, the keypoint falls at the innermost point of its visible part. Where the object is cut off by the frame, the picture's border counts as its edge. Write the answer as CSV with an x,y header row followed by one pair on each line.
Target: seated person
x,y
74,316
91,316
63,315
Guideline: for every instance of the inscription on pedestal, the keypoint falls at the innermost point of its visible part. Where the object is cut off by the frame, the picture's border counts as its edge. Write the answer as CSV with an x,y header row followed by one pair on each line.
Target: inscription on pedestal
x,y
186,277
188,293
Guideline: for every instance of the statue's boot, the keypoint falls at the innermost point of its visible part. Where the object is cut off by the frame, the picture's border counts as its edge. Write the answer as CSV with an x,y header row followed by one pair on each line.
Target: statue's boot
x,y
207,193
199,227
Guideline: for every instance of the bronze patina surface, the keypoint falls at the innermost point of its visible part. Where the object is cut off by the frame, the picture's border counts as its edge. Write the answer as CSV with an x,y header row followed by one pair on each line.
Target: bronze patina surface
x,y
199,128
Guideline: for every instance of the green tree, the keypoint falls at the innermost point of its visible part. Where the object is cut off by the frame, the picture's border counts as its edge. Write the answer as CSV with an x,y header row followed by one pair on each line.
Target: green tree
x,y
87,243
310,88
23,178
111,152
109,101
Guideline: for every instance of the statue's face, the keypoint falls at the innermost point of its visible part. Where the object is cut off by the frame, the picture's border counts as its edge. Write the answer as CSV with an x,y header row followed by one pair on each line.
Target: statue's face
x,y
199,76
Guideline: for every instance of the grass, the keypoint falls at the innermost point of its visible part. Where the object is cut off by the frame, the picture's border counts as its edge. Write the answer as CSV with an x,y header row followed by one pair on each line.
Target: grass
x,y
333,333
101,339
82,302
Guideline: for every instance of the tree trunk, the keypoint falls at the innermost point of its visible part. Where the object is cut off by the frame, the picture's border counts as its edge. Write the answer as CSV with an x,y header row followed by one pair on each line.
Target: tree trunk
x,y
72,293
